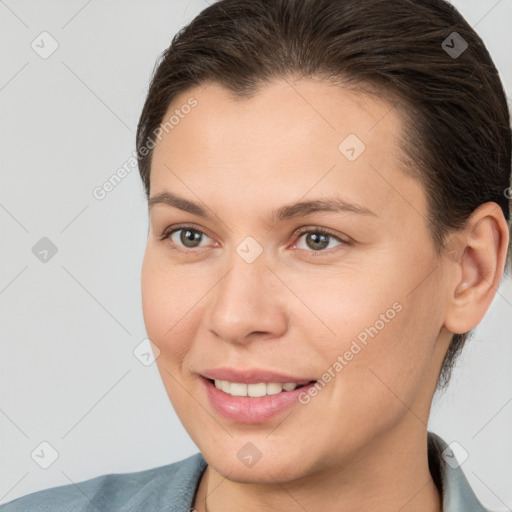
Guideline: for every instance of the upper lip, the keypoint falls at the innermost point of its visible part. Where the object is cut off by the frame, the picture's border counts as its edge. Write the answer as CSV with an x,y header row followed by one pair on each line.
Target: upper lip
x,y
252,376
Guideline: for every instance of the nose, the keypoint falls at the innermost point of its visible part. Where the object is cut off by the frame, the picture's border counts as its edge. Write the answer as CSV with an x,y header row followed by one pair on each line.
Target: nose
x,y
247,303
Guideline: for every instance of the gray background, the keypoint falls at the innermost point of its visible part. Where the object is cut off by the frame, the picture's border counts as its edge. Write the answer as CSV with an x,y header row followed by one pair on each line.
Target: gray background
x,y
69,326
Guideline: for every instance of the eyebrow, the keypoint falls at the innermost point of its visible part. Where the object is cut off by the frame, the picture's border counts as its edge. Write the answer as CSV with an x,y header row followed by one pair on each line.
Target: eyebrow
x,y
331,204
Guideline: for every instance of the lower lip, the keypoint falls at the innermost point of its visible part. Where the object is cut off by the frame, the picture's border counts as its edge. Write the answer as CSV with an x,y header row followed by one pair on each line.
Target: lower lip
x,y
246,409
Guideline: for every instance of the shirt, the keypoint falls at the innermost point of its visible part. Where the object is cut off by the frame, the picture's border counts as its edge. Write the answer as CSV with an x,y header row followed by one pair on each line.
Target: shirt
x,y
173,487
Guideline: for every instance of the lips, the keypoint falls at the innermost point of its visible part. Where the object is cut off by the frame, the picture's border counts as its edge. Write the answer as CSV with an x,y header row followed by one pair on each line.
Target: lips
x,y
246,409
254,376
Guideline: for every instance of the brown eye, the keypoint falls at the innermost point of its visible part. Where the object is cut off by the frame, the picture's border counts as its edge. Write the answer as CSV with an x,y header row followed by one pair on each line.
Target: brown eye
x,y
318,240
186,236
190,237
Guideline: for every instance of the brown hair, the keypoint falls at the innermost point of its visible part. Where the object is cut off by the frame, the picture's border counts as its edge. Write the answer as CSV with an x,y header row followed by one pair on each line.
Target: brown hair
x,y
457,140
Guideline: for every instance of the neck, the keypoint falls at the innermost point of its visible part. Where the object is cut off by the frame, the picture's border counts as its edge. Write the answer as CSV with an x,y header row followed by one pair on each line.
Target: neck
x,y
391,474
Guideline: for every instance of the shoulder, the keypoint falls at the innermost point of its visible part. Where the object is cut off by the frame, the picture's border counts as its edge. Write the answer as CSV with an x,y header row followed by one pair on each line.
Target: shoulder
x,y
172,483
455,489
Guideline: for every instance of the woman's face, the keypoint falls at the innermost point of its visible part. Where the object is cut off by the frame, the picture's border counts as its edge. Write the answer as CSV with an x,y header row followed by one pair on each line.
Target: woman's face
x,y
360,309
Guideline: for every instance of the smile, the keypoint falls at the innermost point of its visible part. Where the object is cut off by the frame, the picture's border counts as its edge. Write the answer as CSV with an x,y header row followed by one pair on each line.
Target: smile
x,y
255,390
244,408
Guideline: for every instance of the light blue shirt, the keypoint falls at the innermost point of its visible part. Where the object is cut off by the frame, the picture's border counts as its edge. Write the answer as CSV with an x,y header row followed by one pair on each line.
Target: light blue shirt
x,y
172,488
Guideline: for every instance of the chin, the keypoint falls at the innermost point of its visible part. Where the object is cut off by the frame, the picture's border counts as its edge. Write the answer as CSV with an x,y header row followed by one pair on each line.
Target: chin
x,y
246,466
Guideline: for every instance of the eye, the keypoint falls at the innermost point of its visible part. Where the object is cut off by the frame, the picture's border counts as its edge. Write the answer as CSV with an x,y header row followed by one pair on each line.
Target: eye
x,y
188,237
319,239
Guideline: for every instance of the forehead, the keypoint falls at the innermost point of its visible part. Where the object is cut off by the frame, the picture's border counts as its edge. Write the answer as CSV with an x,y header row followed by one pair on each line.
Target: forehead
x,y
303,106
302,137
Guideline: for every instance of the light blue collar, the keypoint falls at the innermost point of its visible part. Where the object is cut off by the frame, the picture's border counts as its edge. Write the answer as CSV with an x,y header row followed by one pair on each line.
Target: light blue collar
x,y
458,496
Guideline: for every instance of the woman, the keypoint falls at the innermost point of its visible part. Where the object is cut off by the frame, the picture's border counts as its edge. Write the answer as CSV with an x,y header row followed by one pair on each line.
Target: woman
x,y
328,194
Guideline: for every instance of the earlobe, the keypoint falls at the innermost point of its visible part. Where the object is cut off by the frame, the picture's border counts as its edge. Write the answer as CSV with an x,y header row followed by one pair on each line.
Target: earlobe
x,y
479,267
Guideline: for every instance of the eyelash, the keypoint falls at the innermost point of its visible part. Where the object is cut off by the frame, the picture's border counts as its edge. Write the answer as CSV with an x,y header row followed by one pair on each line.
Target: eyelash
x,y
301,231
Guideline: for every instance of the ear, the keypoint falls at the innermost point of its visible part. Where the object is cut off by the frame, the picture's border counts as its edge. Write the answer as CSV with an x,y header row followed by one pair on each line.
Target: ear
x,y
477,260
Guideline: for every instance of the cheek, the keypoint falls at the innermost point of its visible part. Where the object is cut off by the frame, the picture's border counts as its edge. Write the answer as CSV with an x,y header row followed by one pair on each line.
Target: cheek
x,y
154,299
160,299
383,339
378,386
391,371
343,305
171,306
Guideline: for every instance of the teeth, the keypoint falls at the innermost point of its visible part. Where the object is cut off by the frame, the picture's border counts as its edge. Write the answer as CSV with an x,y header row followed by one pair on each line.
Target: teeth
x,y
253,390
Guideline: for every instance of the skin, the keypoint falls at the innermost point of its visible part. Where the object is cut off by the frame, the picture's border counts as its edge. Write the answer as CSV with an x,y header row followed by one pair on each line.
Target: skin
x,y
361,443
